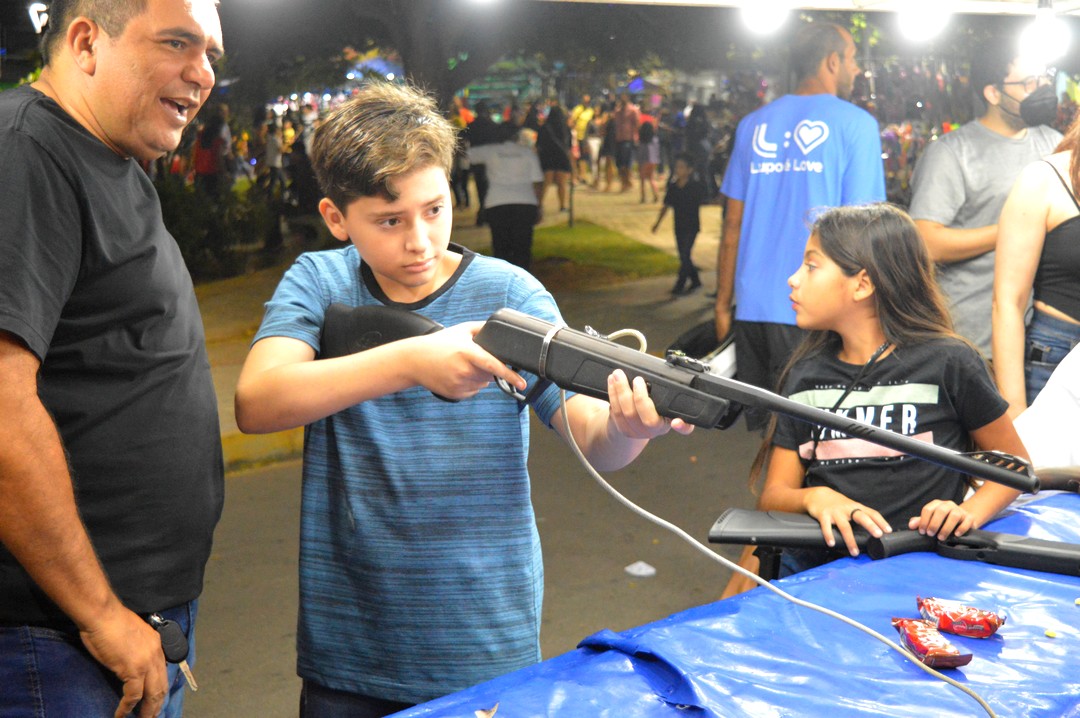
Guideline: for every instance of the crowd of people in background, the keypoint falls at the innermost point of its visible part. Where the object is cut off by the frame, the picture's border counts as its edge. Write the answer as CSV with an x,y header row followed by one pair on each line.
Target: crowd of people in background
x,y
617,142
269,154
606,145
604,140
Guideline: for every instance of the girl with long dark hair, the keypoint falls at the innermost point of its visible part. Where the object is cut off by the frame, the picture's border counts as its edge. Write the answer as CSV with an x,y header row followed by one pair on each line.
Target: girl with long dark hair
x,y
881,349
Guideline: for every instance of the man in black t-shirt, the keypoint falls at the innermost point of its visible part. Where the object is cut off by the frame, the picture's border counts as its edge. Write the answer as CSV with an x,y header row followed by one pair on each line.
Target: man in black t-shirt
x,y
110,455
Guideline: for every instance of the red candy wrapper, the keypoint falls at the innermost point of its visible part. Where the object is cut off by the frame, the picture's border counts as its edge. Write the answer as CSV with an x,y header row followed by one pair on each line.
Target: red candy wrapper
x,y
928,645
955,617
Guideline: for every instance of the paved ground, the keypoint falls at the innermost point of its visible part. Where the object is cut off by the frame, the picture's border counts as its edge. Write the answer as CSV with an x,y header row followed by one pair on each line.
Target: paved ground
x,y
246,653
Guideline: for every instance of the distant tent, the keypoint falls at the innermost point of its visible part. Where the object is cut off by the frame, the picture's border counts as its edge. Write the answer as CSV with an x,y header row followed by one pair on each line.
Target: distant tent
x,y
639,85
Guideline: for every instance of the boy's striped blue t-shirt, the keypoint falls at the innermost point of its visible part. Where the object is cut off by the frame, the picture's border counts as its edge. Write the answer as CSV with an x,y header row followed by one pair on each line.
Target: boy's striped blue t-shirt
x,y
420,565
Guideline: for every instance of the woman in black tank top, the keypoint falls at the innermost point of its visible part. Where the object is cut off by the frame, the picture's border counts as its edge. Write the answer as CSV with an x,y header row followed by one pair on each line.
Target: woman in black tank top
x,y
1038,252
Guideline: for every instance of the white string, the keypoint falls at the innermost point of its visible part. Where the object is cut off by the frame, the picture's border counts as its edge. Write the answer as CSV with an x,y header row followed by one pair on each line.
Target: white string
x,y
735,567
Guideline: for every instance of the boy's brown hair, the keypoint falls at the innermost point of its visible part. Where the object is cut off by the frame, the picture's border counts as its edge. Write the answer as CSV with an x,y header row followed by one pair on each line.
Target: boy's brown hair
x,y
385,132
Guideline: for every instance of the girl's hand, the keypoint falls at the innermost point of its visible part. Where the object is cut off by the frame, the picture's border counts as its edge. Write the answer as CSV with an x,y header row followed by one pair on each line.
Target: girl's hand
x,y
831,508
942,519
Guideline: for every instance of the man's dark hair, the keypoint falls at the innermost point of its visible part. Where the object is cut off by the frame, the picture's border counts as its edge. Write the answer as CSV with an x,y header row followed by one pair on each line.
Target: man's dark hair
x,y
111,15
990,64
813,42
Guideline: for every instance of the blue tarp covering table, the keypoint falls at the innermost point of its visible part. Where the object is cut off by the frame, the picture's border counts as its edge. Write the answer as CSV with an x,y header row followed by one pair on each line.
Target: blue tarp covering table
x,y
759,655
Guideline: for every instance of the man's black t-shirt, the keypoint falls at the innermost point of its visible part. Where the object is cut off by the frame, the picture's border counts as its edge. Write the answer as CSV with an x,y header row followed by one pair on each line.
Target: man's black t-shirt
x,y
937,391
95,286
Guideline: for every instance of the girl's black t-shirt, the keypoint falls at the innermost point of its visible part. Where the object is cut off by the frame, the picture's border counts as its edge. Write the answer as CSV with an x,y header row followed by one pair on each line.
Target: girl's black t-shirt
x,y
938,391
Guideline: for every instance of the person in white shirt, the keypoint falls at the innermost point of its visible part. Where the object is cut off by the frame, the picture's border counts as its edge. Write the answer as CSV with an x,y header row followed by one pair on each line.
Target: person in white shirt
x,y
515,186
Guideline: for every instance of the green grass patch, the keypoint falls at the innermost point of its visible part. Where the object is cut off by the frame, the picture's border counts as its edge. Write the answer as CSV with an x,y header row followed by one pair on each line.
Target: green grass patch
x,y
566,256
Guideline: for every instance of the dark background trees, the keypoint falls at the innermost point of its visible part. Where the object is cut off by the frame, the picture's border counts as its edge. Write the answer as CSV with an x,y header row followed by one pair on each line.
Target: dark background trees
x,y
446,44
277,47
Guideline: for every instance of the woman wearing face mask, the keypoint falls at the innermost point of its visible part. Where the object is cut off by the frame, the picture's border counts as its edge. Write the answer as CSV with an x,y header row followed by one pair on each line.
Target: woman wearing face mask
x,y
1038,250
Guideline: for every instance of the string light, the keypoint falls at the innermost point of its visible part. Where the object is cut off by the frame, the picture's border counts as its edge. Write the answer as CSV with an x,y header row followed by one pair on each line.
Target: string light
x,y
764,17
922,20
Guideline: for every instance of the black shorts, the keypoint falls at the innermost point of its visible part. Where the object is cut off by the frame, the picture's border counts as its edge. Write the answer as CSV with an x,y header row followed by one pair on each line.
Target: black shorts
x,y
624,155
762,349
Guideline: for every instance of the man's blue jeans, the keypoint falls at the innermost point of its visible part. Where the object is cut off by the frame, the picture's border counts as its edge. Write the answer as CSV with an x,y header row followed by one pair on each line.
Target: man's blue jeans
x,y
45,673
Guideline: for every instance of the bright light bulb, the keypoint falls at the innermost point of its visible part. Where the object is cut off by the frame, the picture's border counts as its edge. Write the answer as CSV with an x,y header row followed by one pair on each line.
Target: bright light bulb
x,y
39,15
1046,39
922,20
764,17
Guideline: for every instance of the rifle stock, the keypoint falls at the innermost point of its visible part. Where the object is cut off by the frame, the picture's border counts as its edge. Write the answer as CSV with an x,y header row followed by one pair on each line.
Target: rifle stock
x,y
348,330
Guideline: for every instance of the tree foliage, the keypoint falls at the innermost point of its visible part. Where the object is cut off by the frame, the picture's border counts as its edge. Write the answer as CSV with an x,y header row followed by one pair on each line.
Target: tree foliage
x,y
445,45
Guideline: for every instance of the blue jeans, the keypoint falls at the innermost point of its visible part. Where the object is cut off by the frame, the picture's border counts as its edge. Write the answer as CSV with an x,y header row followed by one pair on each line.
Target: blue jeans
x,y
317,701
1048,340
48,673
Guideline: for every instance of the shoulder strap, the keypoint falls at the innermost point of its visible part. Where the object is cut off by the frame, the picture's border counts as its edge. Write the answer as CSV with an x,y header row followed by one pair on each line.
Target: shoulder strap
x,y
1064,184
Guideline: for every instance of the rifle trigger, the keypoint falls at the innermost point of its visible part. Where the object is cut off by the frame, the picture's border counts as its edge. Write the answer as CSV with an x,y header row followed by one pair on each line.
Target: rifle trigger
x,y
507,389
966,548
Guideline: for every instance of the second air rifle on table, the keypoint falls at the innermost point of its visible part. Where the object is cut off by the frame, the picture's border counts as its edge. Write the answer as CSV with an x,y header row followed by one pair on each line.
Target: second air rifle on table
x,y
777,529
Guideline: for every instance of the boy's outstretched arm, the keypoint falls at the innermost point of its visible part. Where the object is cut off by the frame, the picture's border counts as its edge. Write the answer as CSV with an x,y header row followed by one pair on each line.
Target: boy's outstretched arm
x,y
611,434
283,386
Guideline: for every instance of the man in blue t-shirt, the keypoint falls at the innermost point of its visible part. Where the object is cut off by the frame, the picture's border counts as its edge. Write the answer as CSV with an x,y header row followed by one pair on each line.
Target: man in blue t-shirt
x,y
807,150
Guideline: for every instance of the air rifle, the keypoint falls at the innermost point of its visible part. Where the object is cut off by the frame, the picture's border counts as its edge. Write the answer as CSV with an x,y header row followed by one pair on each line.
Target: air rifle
x,y
680,386
784,530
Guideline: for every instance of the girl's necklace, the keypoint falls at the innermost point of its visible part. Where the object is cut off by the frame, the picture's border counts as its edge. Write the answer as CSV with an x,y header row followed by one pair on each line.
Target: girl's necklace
x,y
860,374
850,388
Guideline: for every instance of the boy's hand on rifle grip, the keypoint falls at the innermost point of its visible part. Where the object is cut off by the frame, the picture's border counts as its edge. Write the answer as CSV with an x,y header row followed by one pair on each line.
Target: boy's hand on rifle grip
x,y
449,363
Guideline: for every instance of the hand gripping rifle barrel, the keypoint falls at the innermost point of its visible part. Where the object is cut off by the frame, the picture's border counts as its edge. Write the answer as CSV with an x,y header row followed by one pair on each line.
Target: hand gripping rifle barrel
x,y
683,388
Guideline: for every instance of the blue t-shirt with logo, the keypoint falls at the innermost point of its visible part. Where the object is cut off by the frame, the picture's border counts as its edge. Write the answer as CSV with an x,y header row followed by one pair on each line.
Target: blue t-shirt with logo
x,y
798,154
